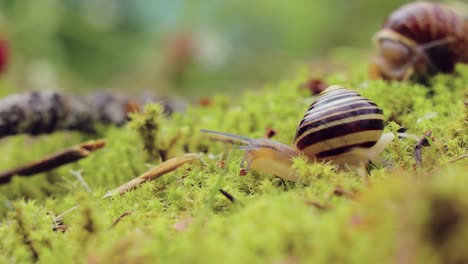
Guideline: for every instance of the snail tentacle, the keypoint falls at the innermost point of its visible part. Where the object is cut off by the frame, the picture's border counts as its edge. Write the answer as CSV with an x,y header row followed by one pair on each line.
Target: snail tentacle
x,y
423,48
438,42
236,138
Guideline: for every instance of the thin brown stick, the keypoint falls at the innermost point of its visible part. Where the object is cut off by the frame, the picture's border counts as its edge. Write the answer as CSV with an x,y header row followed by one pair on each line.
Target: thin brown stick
x,y
230,197
156,172
457,159
227,195
124,214
317,204
464,156
339,191
25,233
53,161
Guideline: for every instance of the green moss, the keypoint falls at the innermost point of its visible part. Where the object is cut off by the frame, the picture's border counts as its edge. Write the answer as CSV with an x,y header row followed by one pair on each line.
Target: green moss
x,y
397,212
147,125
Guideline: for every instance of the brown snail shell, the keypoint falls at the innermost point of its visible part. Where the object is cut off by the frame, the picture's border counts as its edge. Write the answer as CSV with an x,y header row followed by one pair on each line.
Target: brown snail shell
x,y
338,121
420,39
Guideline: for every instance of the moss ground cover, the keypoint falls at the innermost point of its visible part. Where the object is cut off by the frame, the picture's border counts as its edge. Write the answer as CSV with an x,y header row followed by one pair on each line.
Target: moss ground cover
x,y
399,212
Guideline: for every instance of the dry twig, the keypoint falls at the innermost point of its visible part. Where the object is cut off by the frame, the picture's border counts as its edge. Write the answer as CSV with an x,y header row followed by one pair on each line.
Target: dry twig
x,y
339,191
156,172
53,161
124,214
317,204
449,162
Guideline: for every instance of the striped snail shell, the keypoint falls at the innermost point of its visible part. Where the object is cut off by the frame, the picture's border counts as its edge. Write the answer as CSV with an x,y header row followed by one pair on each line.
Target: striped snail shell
x,y
338,121
340,126
420,39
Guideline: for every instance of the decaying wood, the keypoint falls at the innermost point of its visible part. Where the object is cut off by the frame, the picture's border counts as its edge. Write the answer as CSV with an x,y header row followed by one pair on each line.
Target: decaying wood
x,y
53,161
156,172
42,112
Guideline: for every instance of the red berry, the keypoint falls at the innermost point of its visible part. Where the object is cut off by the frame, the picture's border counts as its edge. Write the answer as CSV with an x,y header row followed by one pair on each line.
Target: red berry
x,y
3,55
242,172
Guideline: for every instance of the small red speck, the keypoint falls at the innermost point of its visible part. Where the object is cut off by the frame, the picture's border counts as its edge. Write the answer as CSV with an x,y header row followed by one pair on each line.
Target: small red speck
x,y
221,164
205,102
315,86
270,132
4,55
180,49
183,224
242,172
357,220
132,106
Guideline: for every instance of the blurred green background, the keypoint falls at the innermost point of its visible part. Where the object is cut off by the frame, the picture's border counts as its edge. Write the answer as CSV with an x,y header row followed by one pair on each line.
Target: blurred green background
x,y
188,48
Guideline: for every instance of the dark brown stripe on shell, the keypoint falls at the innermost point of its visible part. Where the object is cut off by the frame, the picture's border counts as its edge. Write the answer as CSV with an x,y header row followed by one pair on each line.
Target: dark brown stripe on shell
x,y
330,94
341,150
405,21
339,131
328,100
424,22
364,102
348,114
335,90
332,105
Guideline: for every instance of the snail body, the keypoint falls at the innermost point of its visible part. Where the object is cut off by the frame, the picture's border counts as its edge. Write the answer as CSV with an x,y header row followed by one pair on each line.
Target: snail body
x,y
340,126
420,39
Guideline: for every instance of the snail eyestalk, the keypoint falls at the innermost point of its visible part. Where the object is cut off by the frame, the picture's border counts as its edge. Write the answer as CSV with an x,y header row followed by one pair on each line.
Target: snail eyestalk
x,y
235,138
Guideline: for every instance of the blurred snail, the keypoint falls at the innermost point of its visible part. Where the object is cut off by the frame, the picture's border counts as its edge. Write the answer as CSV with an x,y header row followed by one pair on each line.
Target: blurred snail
x,y
340,126
420,39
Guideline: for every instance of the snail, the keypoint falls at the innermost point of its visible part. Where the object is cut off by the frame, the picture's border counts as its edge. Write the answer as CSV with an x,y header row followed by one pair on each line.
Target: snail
x,y
340,126
420,39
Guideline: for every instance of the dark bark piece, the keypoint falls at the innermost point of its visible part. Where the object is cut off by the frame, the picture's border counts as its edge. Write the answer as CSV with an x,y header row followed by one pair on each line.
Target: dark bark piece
x,y
53,161
43,112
